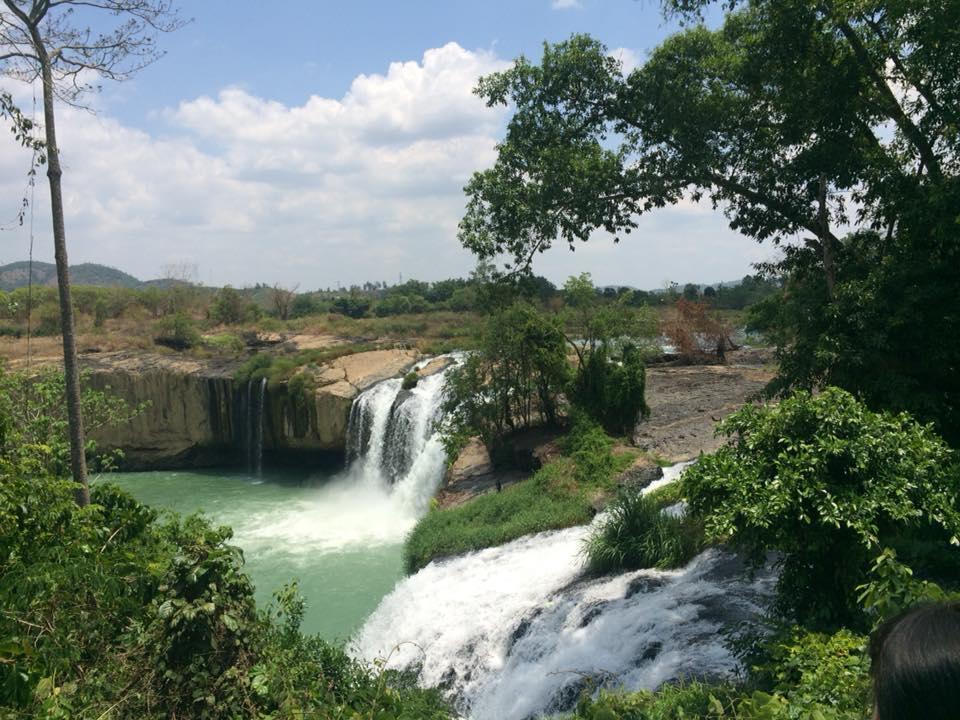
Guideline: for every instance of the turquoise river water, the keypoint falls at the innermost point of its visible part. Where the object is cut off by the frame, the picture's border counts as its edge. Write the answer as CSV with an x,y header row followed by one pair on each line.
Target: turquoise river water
x,y
339,538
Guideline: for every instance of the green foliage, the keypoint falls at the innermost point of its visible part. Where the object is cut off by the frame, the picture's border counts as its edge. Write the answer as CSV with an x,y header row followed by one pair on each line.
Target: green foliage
x,y
591,450
549,500
670,702
33,421
809,676
230,307
177,331
301,387
828,484
889,296
109,612
354,305
224,342
256,367
637,533
812,675
614,393
892,589
410,380
513,381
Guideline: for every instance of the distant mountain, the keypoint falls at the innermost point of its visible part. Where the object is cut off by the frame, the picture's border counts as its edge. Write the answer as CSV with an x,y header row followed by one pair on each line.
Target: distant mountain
x,y
16,275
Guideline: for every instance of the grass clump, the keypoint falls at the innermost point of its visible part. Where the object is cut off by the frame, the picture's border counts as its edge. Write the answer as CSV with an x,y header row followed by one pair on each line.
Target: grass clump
x,y
639,534
549,500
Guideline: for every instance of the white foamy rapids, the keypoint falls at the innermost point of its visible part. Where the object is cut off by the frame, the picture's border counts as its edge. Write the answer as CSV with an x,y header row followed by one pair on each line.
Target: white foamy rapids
x,y
670,475
369,503
514,632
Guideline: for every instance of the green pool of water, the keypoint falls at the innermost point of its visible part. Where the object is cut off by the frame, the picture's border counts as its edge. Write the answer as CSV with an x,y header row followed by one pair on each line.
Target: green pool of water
x,y
338,536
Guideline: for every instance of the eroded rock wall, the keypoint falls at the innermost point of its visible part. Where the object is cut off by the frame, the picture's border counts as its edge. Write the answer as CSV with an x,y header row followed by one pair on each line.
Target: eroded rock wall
x,y
192,415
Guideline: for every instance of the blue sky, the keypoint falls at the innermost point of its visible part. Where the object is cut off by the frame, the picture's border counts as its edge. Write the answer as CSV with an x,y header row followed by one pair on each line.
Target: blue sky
x,y
317,143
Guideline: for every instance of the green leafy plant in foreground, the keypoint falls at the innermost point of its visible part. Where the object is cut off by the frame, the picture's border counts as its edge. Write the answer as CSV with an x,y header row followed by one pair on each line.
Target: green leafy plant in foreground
x,y
828,484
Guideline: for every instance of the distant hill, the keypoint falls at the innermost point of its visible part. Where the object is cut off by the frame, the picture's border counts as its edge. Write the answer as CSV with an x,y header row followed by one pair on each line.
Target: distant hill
x,y
16,275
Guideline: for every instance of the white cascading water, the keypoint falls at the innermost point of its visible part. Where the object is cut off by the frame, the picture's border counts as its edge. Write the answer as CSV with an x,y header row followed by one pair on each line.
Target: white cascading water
x,y
370,503
514,632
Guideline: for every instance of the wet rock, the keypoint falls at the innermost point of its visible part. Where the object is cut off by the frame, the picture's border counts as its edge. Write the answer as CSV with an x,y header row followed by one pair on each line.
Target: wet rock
x,y
643,584
640,474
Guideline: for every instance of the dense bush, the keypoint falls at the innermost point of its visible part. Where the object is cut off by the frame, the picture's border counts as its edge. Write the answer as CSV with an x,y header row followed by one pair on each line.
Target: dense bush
x,y
808,676
614,393
230,307
177,331
828,484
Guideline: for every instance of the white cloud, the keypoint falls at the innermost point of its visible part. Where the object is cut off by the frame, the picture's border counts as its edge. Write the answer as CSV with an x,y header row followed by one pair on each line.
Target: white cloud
x,y
629,59
349,189
565,4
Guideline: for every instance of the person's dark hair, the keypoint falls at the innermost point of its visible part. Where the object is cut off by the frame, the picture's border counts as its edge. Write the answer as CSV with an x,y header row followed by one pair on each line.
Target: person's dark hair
x,y
916,664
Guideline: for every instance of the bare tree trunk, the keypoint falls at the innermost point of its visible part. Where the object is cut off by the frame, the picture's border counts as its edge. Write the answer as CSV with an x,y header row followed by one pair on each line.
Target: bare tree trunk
x,y
78,461
826,239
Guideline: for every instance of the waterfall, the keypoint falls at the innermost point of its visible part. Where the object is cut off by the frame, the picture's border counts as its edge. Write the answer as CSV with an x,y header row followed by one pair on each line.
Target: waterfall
x,y
258,428
252,404
391,442
516,631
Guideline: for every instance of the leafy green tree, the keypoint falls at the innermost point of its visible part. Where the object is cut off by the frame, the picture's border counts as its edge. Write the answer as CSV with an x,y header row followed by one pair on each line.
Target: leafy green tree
x,y
354,305
612,392
228,306
513,381
827,484
795,118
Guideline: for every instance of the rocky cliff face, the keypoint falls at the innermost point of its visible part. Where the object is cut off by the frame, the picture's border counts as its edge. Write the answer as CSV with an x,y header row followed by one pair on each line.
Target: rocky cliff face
x,y
319,421
192,414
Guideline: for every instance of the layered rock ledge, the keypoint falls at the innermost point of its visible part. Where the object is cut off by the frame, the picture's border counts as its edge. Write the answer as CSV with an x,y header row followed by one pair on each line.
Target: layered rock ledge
x,y
193,414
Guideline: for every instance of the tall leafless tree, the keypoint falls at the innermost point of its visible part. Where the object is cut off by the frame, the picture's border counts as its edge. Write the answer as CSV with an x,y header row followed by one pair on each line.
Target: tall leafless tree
x,y
54,42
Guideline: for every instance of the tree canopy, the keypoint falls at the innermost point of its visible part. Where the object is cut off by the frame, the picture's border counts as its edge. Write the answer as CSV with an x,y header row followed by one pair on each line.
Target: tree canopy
x,y
829,128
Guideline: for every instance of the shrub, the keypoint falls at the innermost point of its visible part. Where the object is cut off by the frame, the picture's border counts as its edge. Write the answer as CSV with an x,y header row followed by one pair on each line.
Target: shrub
x,y
410,380
670,702
613,393
827,484
224,342
637,533
256,367
300,387
48,321
591,449
177,331
231,308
